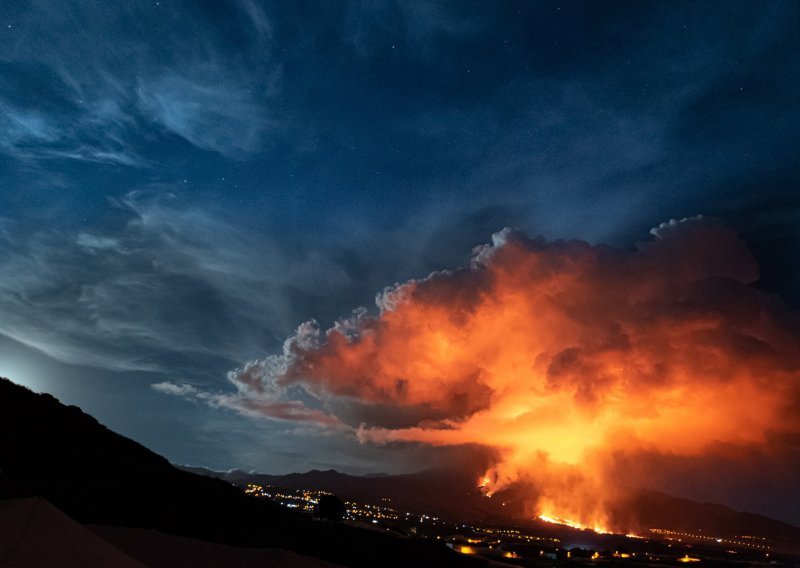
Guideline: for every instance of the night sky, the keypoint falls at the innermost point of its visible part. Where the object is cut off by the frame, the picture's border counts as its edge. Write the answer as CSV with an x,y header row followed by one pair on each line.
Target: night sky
x,y
184,183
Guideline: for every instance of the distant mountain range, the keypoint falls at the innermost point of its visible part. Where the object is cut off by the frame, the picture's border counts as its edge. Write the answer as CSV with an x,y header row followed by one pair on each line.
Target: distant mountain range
x,y
443,493
98,477
453,495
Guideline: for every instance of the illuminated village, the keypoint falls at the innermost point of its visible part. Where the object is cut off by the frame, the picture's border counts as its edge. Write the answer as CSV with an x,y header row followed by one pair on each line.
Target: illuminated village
x,y
545,541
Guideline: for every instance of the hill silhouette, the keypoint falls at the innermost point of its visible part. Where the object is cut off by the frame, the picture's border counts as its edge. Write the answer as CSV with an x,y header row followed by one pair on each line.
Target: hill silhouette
x,y
449,494
99,477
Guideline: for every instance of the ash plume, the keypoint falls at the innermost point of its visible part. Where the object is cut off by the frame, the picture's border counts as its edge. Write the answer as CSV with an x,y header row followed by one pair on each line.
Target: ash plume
x,y
560,357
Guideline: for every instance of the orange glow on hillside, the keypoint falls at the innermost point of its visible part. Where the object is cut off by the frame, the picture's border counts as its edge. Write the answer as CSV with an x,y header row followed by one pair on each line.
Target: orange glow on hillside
x,y
573,524
466,549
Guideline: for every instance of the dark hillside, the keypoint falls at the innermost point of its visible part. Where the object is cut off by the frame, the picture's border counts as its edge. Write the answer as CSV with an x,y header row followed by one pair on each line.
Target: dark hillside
x,y
97,476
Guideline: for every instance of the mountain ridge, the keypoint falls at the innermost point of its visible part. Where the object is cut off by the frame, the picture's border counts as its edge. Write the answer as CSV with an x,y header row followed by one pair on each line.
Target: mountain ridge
x,y
652,509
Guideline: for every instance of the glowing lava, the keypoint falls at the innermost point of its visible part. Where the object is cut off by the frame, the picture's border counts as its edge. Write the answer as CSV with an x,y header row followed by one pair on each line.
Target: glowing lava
x,y
571,524
484,488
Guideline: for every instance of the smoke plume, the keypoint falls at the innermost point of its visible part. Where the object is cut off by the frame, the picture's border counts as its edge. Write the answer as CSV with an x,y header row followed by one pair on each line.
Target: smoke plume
x,y
560,357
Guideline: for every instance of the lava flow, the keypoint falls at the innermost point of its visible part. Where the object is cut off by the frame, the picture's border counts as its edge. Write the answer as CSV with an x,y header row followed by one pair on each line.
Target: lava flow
x,y
571,524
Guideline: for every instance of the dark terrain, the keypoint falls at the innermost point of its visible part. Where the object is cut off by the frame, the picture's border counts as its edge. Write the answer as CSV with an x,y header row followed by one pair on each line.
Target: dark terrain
x,y
98,477
453,496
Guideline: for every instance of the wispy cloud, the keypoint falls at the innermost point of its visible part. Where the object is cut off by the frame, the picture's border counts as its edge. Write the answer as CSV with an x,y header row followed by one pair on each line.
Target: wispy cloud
x,y
95,109
169,282
259,20
206,110
264,406
29,134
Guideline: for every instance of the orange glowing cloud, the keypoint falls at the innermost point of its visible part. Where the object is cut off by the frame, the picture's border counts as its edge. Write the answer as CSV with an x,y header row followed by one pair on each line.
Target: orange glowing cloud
x,y
557,355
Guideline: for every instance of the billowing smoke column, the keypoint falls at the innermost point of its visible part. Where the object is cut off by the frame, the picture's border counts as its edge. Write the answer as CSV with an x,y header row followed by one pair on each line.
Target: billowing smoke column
x,y
558,356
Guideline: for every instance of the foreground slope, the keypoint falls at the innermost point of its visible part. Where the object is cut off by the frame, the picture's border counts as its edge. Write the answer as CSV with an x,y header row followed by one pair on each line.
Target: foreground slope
x,y
33,533
99,477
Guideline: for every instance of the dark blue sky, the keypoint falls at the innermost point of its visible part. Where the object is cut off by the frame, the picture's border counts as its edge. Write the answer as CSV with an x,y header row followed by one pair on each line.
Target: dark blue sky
x,y
183,183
